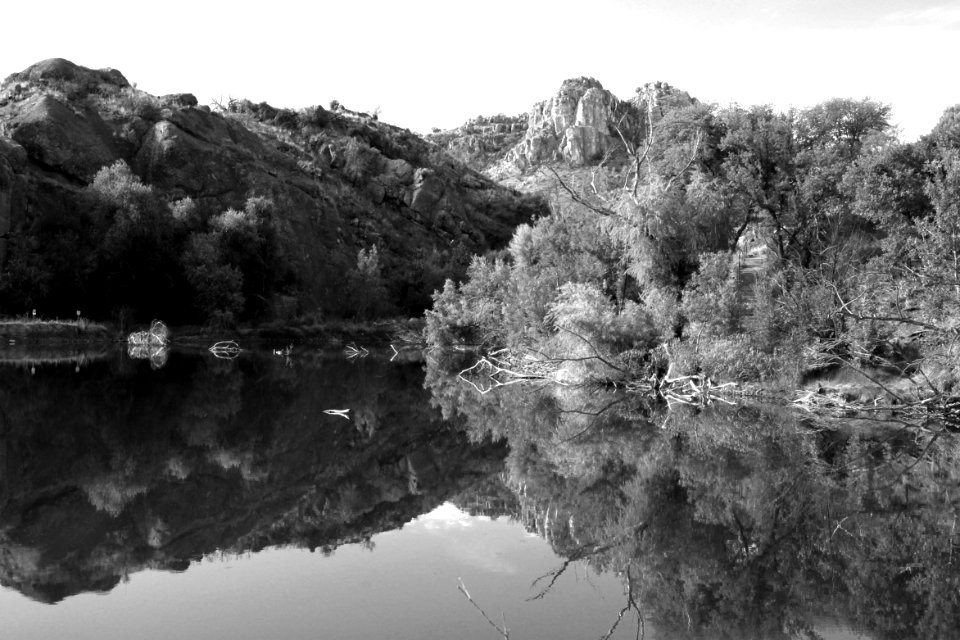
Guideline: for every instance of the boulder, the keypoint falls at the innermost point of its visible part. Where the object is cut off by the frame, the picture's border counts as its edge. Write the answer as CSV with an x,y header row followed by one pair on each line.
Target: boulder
x,y
179,100
75,142
175,159
427,191
397,172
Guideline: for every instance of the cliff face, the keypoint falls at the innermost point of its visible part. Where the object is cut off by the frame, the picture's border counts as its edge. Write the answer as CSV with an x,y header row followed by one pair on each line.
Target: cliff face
x,y
340,181
482,141
573,126
576,127
572,131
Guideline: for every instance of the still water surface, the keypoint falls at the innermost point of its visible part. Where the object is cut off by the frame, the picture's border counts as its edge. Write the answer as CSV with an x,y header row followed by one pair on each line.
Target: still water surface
x,y
211,498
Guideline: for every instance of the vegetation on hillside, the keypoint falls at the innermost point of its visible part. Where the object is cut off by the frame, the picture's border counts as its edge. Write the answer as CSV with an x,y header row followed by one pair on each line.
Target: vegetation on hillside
x,y
129,206
134,251
738,243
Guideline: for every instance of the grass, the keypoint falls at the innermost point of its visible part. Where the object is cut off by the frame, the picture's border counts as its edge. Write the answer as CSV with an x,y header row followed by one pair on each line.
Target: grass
x,y
25,327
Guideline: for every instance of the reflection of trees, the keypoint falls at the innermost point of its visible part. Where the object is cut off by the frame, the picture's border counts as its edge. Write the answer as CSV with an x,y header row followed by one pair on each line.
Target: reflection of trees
x,y
123,468
735,523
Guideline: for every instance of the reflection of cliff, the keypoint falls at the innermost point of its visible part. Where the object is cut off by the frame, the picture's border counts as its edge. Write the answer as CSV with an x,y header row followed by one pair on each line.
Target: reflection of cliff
x,y
122,468
746,522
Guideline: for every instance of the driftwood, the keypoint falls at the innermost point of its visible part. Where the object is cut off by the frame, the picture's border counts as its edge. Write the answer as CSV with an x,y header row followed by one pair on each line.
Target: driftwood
x,y
502,368
157,336
353,351
150,345
502,629
226,349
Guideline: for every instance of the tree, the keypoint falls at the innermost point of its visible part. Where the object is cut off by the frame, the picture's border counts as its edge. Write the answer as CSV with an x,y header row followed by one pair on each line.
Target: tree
x,y
367,288
137,261
218,287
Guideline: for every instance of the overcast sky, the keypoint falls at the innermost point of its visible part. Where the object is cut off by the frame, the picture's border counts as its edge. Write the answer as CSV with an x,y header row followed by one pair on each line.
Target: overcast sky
x,y
429,63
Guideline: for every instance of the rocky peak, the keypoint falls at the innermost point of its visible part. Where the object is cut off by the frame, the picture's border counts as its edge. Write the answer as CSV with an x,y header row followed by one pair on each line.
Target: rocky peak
x,y
654,99
573,126
59,70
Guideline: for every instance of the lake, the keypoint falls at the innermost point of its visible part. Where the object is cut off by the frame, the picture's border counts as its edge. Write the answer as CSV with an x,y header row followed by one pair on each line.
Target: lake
x,y
319,496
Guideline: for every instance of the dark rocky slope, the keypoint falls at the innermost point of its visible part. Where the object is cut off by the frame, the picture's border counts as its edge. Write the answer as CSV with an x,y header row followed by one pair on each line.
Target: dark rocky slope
x,y
340,181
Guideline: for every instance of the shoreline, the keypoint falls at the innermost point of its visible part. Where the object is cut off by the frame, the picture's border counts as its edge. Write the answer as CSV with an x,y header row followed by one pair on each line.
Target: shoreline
x,y
331,334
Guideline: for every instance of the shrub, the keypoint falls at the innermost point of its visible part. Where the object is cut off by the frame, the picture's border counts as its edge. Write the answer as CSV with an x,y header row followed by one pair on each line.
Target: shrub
x,y
664,307
137,259
218,287
588,325
473,312
359,160
711,300
367,290
727,359
116,186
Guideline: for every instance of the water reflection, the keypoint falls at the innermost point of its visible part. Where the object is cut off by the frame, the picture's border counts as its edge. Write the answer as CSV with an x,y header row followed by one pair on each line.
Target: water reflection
x,y
717,522
123,468
746,522
405,588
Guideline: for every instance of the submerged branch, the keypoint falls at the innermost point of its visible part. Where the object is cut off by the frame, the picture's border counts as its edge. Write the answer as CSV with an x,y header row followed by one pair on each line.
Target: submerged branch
x,y
584,551
502,630
631,604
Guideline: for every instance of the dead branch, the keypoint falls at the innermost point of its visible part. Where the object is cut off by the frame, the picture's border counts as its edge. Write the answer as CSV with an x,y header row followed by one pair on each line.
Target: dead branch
x,y
578,198
584,551
502,630
225,349
631,604
846,312
596,351
693,156
353,351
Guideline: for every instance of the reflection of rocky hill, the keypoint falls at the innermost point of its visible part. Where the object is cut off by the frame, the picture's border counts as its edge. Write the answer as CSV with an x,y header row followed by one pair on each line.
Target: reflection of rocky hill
x,y
124,468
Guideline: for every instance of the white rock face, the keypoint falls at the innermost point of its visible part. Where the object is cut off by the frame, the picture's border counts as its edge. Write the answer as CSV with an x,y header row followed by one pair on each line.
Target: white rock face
x,y
572,126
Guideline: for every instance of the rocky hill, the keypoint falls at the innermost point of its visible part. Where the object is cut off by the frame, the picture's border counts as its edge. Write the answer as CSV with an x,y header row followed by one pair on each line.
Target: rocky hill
x,y
337,182
572,131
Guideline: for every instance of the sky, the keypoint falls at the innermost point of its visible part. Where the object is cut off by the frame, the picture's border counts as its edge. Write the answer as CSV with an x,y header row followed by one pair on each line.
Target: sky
x,y
437,63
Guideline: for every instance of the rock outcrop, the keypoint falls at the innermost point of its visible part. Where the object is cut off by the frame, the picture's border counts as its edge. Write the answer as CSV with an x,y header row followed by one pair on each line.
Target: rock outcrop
x,y
341,181
572,131
482,141
575,126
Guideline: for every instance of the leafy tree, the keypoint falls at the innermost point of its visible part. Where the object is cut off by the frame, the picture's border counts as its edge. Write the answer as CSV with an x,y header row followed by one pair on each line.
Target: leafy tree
x,y
25,279
471,313
137,262
366,284
218,287
589,328
711,300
